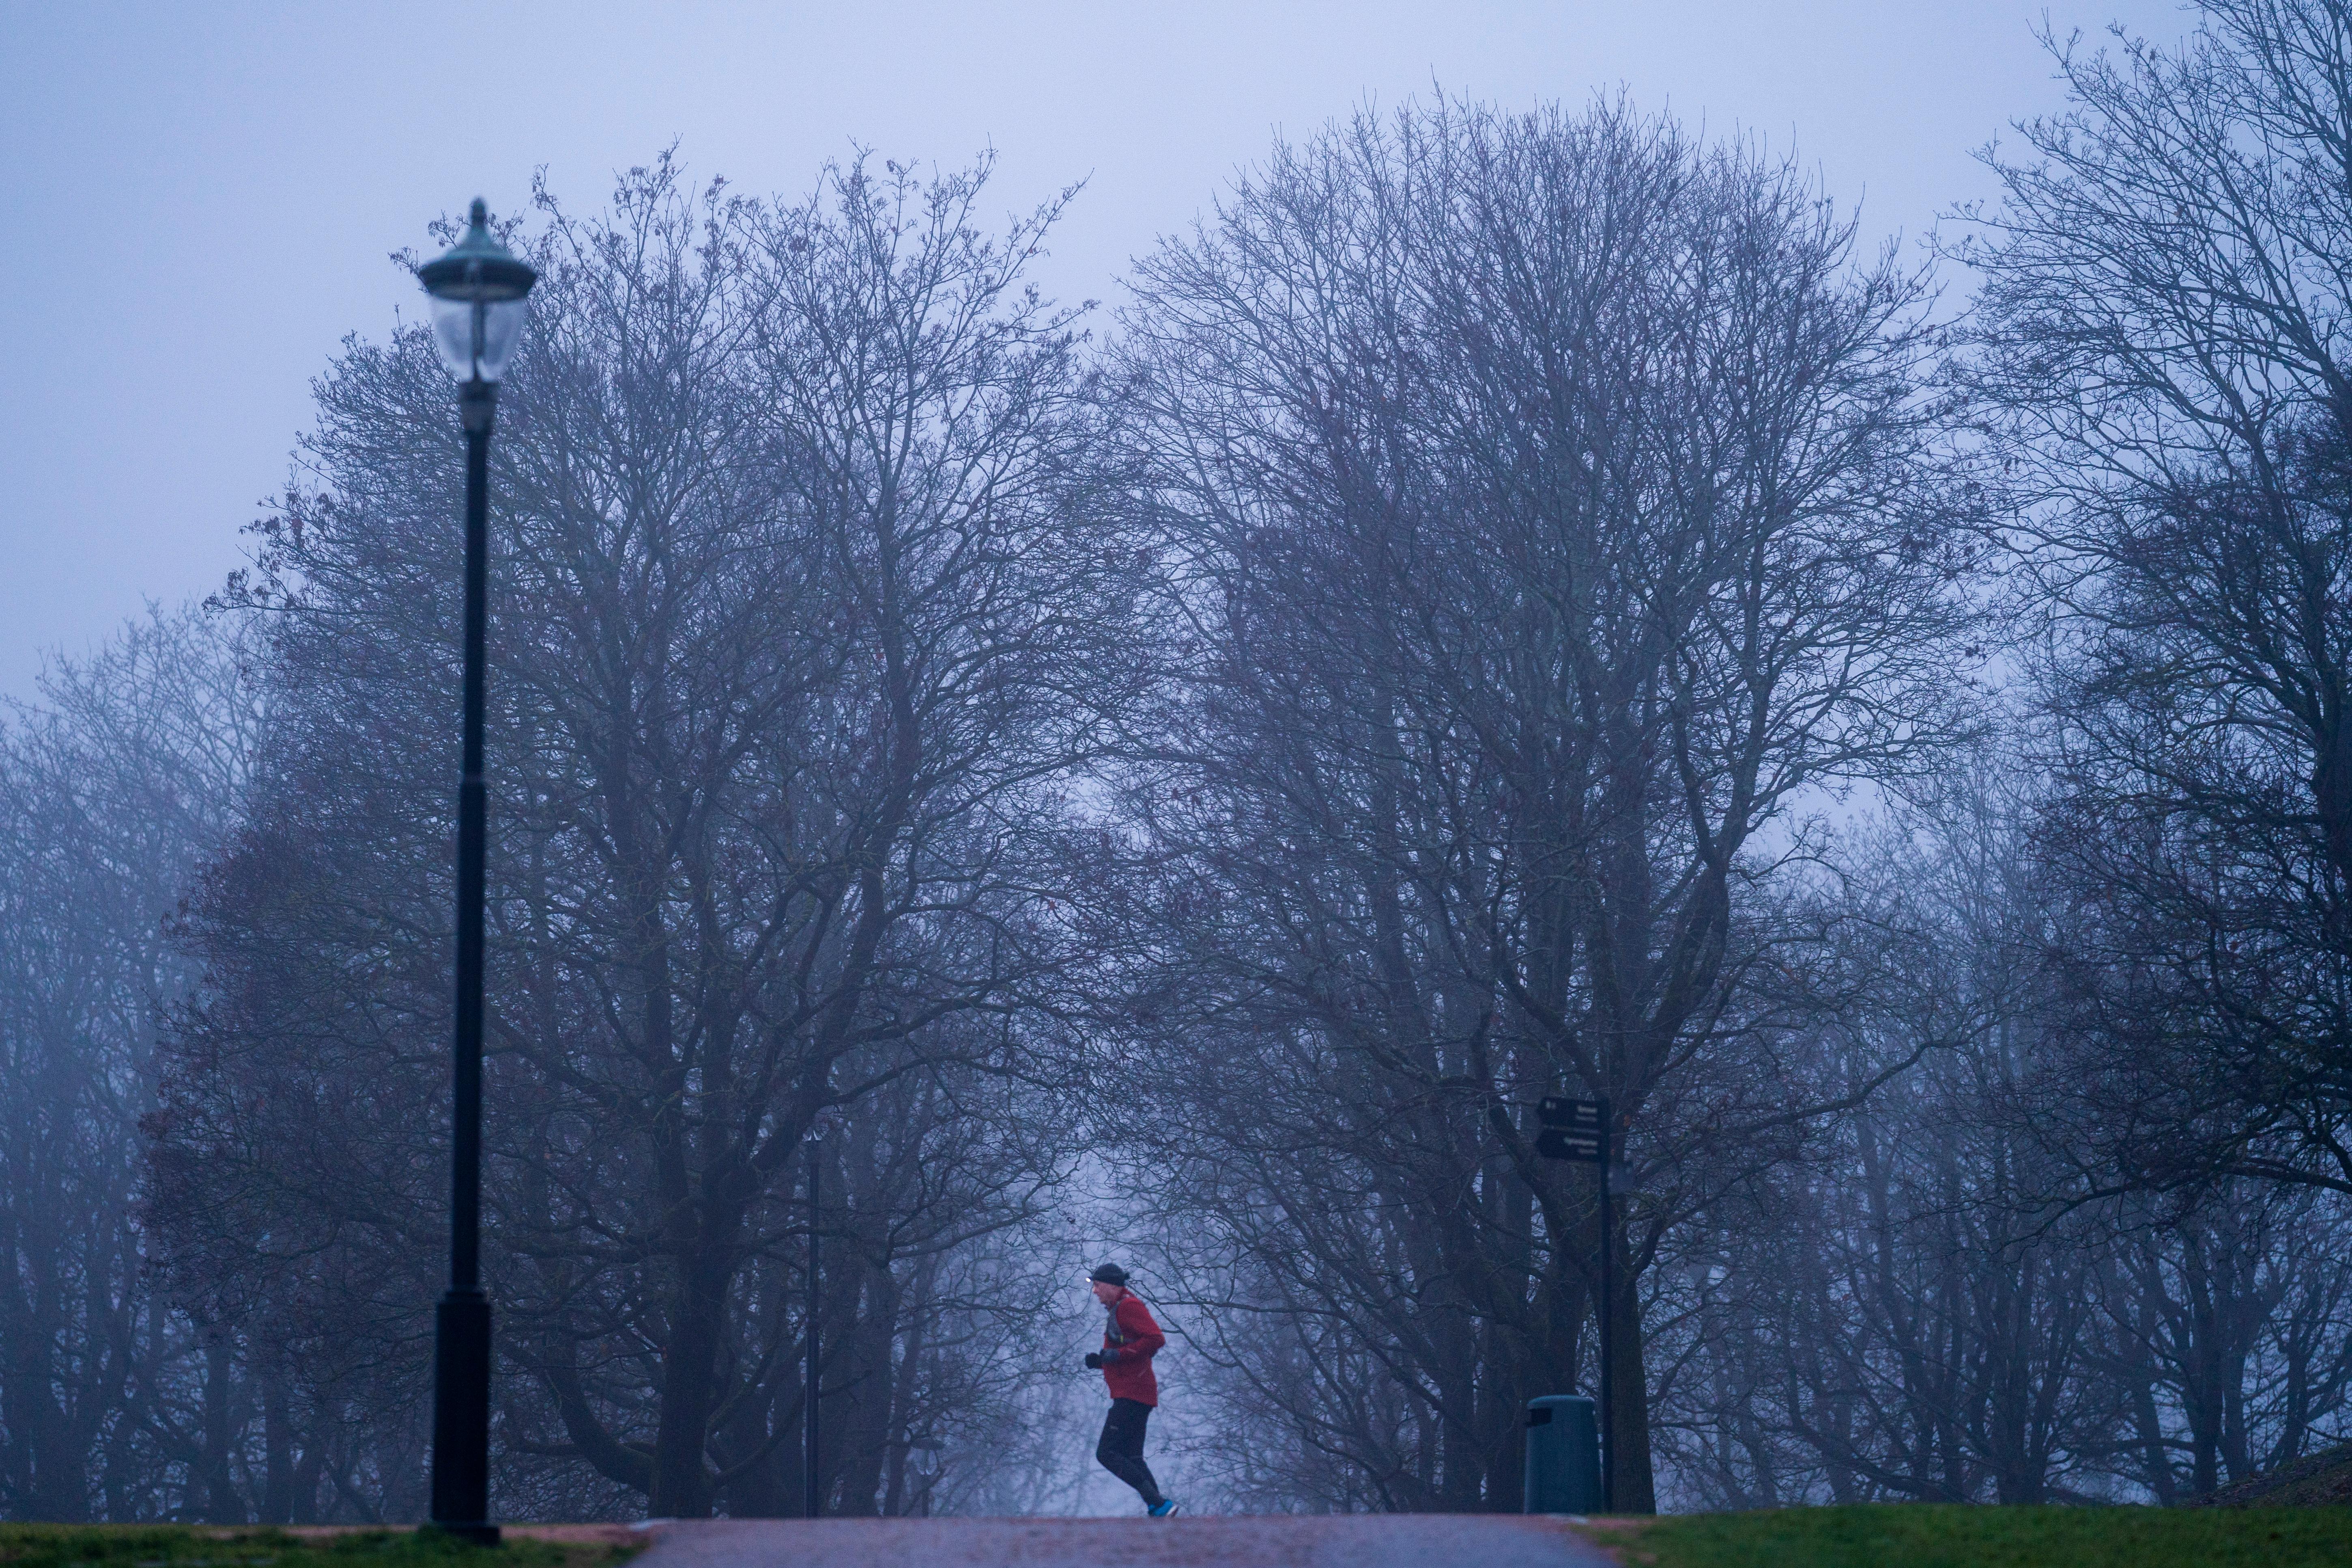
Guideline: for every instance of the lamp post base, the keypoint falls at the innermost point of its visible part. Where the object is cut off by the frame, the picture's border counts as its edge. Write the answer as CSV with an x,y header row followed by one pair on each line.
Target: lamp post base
x,y
461,1416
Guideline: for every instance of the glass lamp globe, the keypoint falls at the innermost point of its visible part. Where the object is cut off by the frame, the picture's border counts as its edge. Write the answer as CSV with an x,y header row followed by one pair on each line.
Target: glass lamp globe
x,y
478,290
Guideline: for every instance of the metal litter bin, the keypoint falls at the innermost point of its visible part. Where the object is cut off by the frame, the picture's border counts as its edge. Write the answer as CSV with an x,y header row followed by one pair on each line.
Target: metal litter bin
x,y
1563,1455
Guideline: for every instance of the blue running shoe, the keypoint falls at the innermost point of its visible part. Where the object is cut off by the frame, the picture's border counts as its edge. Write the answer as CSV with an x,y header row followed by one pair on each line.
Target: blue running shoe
x,y
1165,1507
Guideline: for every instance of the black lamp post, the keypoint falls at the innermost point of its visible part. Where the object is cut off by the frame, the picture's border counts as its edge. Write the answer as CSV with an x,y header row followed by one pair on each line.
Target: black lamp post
x,y
477,290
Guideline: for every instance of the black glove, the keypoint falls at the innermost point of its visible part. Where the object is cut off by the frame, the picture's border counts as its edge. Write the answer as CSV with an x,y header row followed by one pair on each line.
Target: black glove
x,y
1094,1361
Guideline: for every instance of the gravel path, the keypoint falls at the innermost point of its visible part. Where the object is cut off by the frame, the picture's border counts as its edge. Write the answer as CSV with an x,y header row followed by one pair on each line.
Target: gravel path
x,y
1261,1540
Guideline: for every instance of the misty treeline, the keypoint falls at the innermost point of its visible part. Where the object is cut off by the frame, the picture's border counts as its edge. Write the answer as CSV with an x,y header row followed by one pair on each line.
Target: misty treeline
x,y
1510,603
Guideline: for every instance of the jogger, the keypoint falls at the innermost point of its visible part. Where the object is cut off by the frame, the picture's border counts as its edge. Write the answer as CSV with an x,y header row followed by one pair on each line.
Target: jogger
x,y
1130,1339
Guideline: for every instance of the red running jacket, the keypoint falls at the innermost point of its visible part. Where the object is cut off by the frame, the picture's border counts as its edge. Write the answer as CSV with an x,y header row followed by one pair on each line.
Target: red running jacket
x,y
1129,1340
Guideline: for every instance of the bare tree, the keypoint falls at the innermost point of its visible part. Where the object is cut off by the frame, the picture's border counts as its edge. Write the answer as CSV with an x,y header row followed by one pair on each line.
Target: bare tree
x,y
115,785
1553,505
2228,1308
2158,343
805,625
1934,1303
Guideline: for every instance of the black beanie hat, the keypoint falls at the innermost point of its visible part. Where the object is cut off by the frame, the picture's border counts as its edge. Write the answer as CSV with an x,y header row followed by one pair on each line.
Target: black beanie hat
x,y
1109,1274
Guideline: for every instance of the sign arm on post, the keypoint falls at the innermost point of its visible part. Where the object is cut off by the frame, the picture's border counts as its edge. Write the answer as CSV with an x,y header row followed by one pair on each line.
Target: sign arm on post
x,y
1577,1130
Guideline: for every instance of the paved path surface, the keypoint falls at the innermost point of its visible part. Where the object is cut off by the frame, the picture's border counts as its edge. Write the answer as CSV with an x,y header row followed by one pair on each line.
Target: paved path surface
x,y
1261,1540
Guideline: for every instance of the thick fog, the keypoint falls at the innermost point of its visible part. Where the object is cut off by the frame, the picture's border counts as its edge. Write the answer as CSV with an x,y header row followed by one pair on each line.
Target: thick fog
x,y
1534,592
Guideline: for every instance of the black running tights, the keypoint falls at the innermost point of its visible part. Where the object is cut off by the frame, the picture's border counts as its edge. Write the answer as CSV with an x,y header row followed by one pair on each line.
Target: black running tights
x,y
1121,1449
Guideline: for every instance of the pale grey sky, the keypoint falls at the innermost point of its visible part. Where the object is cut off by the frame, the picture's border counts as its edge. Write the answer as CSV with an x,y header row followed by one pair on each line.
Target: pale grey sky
x,y
197,200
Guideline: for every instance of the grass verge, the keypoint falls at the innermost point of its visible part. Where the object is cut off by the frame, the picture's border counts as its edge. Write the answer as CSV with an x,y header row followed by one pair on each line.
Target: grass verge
x,y
200,1546
1930,1535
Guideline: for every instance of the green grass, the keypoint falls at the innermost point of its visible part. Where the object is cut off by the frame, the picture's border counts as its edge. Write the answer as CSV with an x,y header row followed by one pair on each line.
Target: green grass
x,y
198,1546
1922,1535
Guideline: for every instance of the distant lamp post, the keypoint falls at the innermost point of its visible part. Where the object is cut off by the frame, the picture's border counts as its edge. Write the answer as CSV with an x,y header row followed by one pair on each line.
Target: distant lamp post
x,y
478,290
812,1493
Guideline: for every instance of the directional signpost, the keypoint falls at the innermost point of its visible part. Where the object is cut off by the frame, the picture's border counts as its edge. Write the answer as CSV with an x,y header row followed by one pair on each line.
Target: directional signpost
x,y
1573,1130
1578,1130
